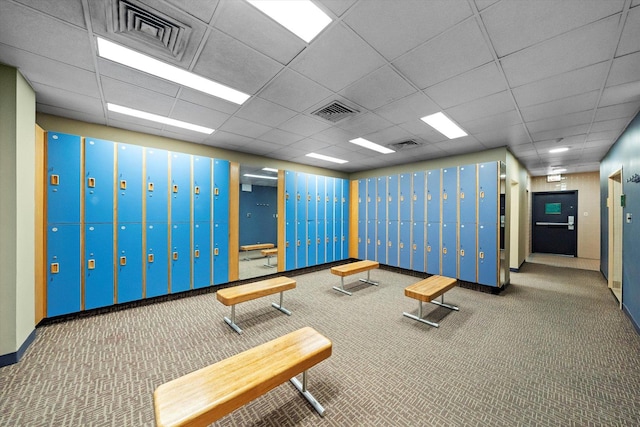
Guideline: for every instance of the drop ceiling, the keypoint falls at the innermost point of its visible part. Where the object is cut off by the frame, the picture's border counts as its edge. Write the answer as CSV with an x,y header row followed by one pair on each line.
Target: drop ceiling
x,y
528,75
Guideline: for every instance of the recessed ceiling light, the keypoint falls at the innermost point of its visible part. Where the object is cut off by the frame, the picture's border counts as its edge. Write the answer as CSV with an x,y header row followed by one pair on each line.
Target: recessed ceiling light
x,y
444,125
371,145
147,64
326,158
250,175
559,150
558,170
301,17
270,169
156,118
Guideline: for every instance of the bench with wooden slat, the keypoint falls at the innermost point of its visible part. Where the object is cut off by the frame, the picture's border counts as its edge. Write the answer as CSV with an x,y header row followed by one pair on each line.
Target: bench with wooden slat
x,y
428,290
206,395
354,268
255,247
269,253
237,294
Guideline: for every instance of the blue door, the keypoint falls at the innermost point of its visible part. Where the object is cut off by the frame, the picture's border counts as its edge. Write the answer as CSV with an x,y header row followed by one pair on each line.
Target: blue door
x,y
393,205
488,254
433,247
433,196
157,259
467,194
301,243
418,247
98,170
312,243
180,188
63,178
220,252
312,198
63,272
180,257
381,242
467,252
321,245
488,202
419,190
290,219
202,255
362,219
371,239
404,247
344,236
321,205
157,185
381,198
449,254
372,193
449,195
393,242
405,197
201,189
221,196
129,261
129,184
329,198
98,249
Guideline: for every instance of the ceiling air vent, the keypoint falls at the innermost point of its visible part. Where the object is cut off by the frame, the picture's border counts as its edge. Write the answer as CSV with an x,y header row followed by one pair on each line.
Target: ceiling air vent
x,y
403,145
335,112
140,22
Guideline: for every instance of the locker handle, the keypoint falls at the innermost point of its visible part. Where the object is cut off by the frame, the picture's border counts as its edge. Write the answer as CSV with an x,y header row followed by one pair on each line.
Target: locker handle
x,y
401,198
428,248
91,182
415,197
308,197
150,258
54,180
196,189
55,268
286,196
368,241
378,198
196,253
389,243
308,242
344,200
359,240
444,196
444,251
378,242
123,184
150,186
318,198
415,247
368,199
91,264
482,194
401,245
462,194
428,196
123,260
298,243
390,199
461,252
481,255
175,188
343,238
216,251
216,191
298,196
318,241
287,244
175,256
335,238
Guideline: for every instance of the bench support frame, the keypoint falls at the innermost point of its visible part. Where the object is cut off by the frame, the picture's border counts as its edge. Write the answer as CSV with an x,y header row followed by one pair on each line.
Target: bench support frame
x,y
367,280
302,388
419,318
268,264
232,322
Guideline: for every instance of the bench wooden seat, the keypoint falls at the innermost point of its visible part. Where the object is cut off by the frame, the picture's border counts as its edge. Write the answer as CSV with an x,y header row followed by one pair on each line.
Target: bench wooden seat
x,y
255,247
269,253
354,268
206,395
237,294
426,291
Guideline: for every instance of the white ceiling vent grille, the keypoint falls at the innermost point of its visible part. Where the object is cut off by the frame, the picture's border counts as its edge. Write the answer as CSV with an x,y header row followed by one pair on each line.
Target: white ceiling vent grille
x,y
404,145
335,112
142,23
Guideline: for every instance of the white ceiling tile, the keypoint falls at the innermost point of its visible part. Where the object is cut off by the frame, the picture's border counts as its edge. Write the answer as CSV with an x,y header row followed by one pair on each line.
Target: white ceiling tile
x,y
624,69
197,114
621,94
458,50
67,10
226,139
422,130
630,34
522,150
582,102
486,124
335,135
603,135
597,144
499,137
635,3
288,153
410,107
488,106
201,9
262,111
280,137
48,95
310,145
132,123
558,122
294,91
337,58
338,7
378,88
394,28
227,61
364,123
131,96
244,127
304,125
261,147
614,124
136,78
483,4
460,145
560,132
515,25
182,134
71,114
208,101
618,111
389,135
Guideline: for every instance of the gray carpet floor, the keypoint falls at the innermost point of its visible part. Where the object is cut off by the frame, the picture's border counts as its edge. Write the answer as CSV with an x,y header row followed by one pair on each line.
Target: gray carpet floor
x,y
552,349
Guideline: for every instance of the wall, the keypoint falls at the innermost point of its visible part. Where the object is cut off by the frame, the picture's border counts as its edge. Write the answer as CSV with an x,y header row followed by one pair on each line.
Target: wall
x,y
519,181
588,186
261,226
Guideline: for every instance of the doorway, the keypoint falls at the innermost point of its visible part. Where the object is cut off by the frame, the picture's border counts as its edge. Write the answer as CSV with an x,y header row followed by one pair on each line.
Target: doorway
x,y
555,223
615,234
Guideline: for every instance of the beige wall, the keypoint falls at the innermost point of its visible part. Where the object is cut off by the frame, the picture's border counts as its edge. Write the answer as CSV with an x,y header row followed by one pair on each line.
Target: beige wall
x,y
588,186
518,180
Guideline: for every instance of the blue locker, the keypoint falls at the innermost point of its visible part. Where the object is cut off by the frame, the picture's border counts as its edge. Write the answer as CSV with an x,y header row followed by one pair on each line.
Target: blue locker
x,y
449,195
290,245
371,239
301,244
180,188
467,252
98,249
433,196
381,242
321,245
312,198
449,254
393,242
329,198
487,254
312,243
488,187
221,200
371,200
63,272
329,240
201,189
381,198
346,196
157,259
404,247
290,219
301,199
419,197
63,181
129,262
157,185
418,247
202,255
320,198
221,251
405,197
98,169
393,203
362,219
362,239
433,247
180,257
129,184
467,193
345,240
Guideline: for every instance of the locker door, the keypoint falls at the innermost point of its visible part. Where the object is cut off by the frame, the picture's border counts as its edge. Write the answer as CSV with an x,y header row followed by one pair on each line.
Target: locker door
x,y
157,186
312,198
201,255
329,198
98,182
290,247
345,200
157,259
201,189
63,182
321,245
392,198
221,201
433,196
129,184
381,198
393,243
418,197
180,188
488,193
301,244
371,239
221,251
290,219
344,236
381,242
449,248
98,249
362,219
467,252
487,254
129,262
405,197
320,198
329,253
63,271
362,239
312,244
433,247
371,200
404,247
180,257
301,199
449,195
467,193
418,247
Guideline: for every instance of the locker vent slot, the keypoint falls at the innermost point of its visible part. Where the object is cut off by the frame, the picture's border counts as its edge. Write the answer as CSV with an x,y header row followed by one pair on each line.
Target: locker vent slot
x,y
335,112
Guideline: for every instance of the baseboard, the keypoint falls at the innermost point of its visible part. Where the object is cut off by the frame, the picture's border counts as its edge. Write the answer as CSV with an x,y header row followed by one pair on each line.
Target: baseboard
x,y
11,358
633,321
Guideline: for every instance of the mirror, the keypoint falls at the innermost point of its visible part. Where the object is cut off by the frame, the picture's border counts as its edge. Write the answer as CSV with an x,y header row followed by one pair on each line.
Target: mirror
x,y
258,211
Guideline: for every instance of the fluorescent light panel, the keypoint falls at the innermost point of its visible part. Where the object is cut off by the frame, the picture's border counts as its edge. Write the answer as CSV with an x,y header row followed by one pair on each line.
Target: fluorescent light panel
x,y
301,17
444,125
156,118
326,158
147,64
559,150
270,169
371,146
250,175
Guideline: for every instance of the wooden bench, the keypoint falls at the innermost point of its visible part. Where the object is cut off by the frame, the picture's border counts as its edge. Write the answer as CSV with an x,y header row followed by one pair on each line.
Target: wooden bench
x,y
354,268
237,294
427,290
206,395
269,253
258,246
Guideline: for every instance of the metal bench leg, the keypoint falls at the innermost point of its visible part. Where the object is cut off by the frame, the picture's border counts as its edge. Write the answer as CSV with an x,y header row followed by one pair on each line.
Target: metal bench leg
x,y
419,316
268,264
280,307
302,388
368,279
341,288
232,322
442,304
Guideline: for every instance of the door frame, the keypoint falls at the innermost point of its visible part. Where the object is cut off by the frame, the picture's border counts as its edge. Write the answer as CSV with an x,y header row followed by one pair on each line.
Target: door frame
x,y
533,223
615,247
